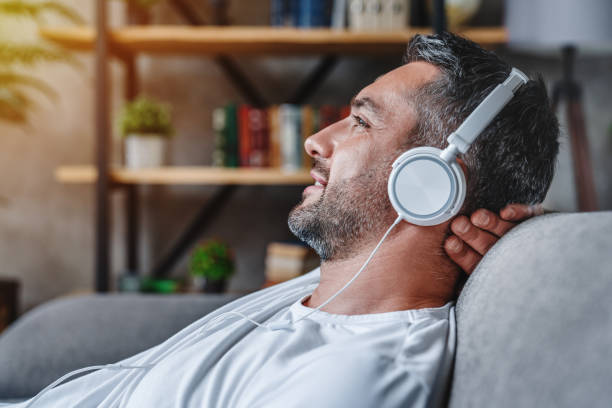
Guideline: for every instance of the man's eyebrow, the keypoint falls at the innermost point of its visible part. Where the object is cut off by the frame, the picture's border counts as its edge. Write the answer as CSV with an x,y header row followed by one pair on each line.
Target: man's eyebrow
x,y
367,103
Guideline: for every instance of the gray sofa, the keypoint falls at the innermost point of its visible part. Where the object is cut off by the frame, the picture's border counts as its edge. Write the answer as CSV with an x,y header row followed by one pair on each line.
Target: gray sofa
x,y
534,323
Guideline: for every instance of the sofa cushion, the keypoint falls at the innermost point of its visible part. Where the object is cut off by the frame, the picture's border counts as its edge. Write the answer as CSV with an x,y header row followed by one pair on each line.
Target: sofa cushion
x,y
535,318
70,333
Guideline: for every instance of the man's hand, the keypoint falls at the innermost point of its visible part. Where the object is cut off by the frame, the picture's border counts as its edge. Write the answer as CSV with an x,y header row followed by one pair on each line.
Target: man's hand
x,y
475,235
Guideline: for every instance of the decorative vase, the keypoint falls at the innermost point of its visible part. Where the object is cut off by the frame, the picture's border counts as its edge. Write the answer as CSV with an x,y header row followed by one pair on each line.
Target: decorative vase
x,y
145,150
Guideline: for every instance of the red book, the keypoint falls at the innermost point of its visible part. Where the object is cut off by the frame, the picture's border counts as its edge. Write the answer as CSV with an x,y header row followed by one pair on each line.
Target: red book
x,y
244,135
345,111
258,129
328,115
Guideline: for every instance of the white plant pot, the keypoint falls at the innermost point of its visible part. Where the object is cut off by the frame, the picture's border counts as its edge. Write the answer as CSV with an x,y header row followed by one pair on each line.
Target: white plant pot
x,y
142,151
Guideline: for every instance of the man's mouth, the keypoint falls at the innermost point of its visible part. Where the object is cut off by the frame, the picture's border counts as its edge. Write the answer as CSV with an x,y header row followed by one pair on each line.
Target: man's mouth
x,y
319,184
319,180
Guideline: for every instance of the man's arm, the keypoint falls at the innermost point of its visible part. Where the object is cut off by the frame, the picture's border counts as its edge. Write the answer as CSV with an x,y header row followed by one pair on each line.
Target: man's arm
x,y
474,236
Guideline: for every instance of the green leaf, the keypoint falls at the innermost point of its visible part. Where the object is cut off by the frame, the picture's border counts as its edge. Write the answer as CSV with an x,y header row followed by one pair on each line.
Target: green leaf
x,y
36,9
212,260
14,105
143,3
145,115
25,54
9,80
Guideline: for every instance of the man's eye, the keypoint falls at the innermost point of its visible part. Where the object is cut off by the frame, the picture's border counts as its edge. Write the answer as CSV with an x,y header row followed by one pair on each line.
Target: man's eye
x,y
360,122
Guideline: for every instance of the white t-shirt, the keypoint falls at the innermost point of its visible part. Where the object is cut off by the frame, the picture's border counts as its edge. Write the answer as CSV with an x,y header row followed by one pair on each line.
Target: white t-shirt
x,y
395,359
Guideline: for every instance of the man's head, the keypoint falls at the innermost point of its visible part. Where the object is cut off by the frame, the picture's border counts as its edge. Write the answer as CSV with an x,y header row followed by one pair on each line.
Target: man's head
x,y
420,103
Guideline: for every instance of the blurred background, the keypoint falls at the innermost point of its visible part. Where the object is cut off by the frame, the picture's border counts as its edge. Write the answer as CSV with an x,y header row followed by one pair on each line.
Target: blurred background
x,y
49,238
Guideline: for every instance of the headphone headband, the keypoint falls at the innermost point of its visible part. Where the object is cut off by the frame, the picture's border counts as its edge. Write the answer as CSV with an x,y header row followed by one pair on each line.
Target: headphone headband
x,y
427,185
462,138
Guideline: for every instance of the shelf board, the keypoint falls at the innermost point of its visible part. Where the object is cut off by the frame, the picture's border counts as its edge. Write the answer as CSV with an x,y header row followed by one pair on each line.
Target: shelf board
x,y
170,39
186,175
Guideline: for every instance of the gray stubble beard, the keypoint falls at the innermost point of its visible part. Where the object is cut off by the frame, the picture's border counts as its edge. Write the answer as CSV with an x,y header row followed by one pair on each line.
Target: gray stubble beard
x,y
344,216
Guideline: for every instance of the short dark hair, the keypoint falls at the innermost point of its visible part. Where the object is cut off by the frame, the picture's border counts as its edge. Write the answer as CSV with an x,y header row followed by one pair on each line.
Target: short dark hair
x,y
514,158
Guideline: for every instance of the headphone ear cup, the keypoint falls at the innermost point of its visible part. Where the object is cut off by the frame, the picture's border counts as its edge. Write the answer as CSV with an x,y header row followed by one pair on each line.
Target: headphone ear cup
x,y
424,189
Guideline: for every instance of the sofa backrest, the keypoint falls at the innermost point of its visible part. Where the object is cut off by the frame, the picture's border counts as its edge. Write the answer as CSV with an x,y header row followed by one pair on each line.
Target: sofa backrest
x,y
534,320
65,334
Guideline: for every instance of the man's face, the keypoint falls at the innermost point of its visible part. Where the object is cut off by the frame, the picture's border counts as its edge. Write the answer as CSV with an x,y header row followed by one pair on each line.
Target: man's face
x,y
353,157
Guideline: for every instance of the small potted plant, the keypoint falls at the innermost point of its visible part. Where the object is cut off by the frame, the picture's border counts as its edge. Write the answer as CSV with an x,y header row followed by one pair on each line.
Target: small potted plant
x,y
210,266
146,126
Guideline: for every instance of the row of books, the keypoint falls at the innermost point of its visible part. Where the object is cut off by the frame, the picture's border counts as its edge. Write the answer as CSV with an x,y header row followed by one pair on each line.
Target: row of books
x,y
246,136
357,15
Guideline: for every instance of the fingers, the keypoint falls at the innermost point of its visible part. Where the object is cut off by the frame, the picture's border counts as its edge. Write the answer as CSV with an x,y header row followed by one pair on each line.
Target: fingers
x,y
489,221
475,236
520,212
461,254
477,239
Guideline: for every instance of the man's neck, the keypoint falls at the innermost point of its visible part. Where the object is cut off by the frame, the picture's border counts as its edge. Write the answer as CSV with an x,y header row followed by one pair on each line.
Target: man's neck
x,y
409,271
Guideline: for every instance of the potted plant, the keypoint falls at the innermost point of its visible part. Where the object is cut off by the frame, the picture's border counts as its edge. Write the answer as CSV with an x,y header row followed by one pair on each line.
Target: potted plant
x,y
146,126
210,266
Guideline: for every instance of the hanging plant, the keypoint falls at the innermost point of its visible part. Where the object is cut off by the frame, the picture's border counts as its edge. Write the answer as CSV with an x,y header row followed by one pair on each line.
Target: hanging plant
x,y
15,86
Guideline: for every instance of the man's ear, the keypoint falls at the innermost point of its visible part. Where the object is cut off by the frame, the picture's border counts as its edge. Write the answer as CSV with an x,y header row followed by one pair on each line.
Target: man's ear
x,y
464,168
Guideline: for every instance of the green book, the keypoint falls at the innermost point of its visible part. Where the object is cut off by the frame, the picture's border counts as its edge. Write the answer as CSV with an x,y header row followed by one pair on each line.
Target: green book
x,y
231,137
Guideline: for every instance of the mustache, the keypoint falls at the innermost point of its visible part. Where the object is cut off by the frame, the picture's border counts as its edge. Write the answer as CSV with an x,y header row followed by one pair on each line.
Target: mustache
x,y
320,168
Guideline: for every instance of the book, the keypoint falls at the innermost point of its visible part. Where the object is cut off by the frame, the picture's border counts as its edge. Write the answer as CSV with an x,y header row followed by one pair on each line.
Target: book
x,y
279,11
395,14
307,130
327,115
285,261
274,153
290,137
218,125
244,135
316,120
258,131
338,15
231,136
378,15
310,13
373,15
275,136
356,15
344,112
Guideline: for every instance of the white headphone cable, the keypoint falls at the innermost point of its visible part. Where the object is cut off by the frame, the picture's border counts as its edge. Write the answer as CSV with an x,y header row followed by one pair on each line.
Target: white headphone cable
x,y
335,295
271,326
287,325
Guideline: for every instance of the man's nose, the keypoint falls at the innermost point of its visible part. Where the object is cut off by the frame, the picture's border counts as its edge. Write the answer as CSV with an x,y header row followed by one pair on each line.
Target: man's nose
x,y
321,145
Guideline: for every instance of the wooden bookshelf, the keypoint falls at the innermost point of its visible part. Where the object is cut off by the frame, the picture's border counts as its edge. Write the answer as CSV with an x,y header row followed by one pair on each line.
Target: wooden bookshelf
x,y
186,175
252,40
221,44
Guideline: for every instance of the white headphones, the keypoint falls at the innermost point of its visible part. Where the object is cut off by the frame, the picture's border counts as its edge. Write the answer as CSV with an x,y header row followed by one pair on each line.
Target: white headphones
x,y
427,185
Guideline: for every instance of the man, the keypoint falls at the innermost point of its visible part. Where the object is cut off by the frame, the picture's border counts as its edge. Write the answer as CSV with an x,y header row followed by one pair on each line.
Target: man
x,y
388,339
